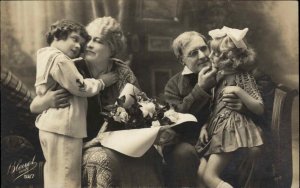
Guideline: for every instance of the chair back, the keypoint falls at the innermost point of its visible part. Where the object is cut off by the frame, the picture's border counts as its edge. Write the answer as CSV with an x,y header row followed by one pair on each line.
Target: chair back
x,y
281,132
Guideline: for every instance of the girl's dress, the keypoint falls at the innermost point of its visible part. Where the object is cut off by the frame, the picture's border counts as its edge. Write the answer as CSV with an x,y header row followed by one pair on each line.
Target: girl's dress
x,y
230,130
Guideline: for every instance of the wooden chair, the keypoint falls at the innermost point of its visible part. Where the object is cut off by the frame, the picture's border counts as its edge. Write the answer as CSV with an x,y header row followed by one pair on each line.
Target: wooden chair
x,y
276,167
281,132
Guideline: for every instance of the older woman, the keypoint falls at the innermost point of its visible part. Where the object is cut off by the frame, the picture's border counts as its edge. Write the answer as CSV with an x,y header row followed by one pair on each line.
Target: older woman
x,y
103,167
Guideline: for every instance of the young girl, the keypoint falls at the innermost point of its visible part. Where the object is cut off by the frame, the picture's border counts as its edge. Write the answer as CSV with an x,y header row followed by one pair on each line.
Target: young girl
x,y
227,129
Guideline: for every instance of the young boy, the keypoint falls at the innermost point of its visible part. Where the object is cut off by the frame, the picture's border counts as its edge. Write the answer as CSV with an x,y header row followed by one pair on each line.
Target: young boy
x,y
61,129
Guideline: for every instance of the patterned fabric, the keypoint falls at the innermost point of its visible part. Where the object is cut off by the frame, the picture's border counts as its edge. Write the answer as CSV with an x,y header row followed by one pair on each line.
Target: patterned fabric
x,y
247,82
110,94
103,167
97,171
230,130
125,73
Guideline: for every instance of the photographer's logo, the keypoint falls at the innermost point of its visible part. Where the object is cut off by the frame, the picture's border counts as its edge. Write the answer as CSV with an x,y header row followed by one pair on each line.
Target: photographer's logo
x,y
18,170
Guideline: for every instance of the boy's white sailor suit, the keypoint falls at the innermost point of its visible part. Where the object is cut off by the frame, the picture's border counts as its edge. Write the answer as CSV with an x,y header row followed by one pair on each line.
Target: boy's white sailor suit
x,y
61,129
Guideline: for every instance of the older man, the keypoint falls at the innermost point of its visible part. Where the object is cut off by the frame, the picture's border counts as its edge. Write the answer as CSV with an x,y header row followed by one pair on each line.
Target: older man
x,y
189,91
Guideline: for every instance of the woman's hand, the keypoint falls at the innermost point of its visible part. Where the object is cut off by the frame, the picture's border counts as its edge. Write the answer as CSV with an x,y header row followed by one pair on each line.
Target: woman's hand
x,y
167,136
231,99
51,99
109,78
203,135
91,143
58,98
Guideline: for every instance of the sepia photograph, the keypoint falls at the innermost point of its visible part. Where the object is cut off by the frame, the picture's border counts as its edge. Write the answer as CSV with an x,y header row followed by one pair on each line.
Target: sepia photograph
x,y
149,93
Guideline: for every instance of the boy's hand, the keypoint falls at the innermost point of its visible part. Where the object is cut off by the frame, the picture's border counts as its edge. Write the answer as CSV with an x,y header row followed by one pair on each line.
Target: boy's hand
x,y
203,135
109,78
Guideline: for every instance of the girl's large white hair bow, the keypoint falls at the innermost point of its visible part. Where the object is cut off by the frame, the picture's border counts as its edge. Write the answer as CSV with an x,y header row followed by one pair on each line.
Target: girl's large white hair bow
x,y
236,35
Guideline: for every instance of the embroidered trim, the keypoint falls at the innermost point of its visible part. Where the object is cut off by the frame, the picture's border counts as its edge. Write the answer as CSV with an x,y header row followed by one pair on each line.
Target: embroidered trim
x,y
81,85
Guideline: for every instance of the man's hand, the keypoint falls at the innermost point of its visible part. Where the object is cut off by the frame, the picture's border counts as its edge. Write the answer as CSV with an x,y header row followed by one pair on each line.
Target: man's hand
x,y
232,102
207,78
109,78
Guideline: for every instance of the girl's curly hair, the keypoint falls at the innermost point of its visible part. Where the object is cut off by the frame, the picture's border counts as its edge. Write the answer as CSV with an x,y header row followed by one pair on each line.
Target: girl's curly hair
x,y
62,28
236,58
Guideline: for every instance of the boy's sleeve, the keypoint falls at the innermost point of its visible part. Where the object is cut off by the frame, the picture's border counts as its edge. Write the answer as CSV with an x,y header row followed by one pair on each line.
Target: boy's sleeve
x,y
66,74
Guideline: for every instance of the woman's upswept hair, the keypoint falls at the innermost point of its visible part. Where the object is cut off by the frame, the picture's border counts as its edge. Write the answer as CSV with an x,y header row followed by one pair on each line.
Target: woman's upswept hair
x,y
182,41
243,59
110,31
62,28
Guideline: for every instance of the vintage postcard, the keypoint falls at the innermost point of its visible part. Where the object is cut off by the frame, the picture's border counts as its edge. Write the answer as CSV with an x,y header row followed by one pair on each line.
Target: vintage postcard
x,y
227,72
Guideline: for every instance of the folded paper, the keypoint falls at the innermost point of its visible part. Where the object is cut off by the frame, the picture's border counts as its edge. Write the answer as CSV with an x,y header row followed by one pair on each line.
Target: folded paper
x,y
136,142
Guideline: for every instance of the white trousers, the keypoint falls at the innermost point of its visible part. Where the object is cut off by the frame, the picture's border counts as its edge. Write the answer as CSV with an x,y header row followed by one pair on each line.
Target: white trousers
x,y
63,156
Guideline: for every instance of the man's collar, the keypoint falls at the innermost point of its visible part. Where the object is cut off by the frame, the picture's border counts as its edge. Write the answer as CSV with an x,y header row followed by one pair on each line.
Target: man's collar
x,y
186,71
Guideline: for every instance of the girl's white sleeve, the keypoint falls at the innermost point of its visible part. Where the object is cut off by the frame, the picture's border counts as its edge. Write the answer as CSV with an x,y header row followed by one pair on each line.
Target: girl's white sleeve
x,y
67,75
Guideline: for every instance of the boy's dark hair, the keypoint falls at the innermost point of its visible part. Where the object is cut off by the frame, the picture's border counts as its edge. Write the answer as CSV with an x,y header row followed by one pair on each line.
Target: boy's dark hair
x,y
62,28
